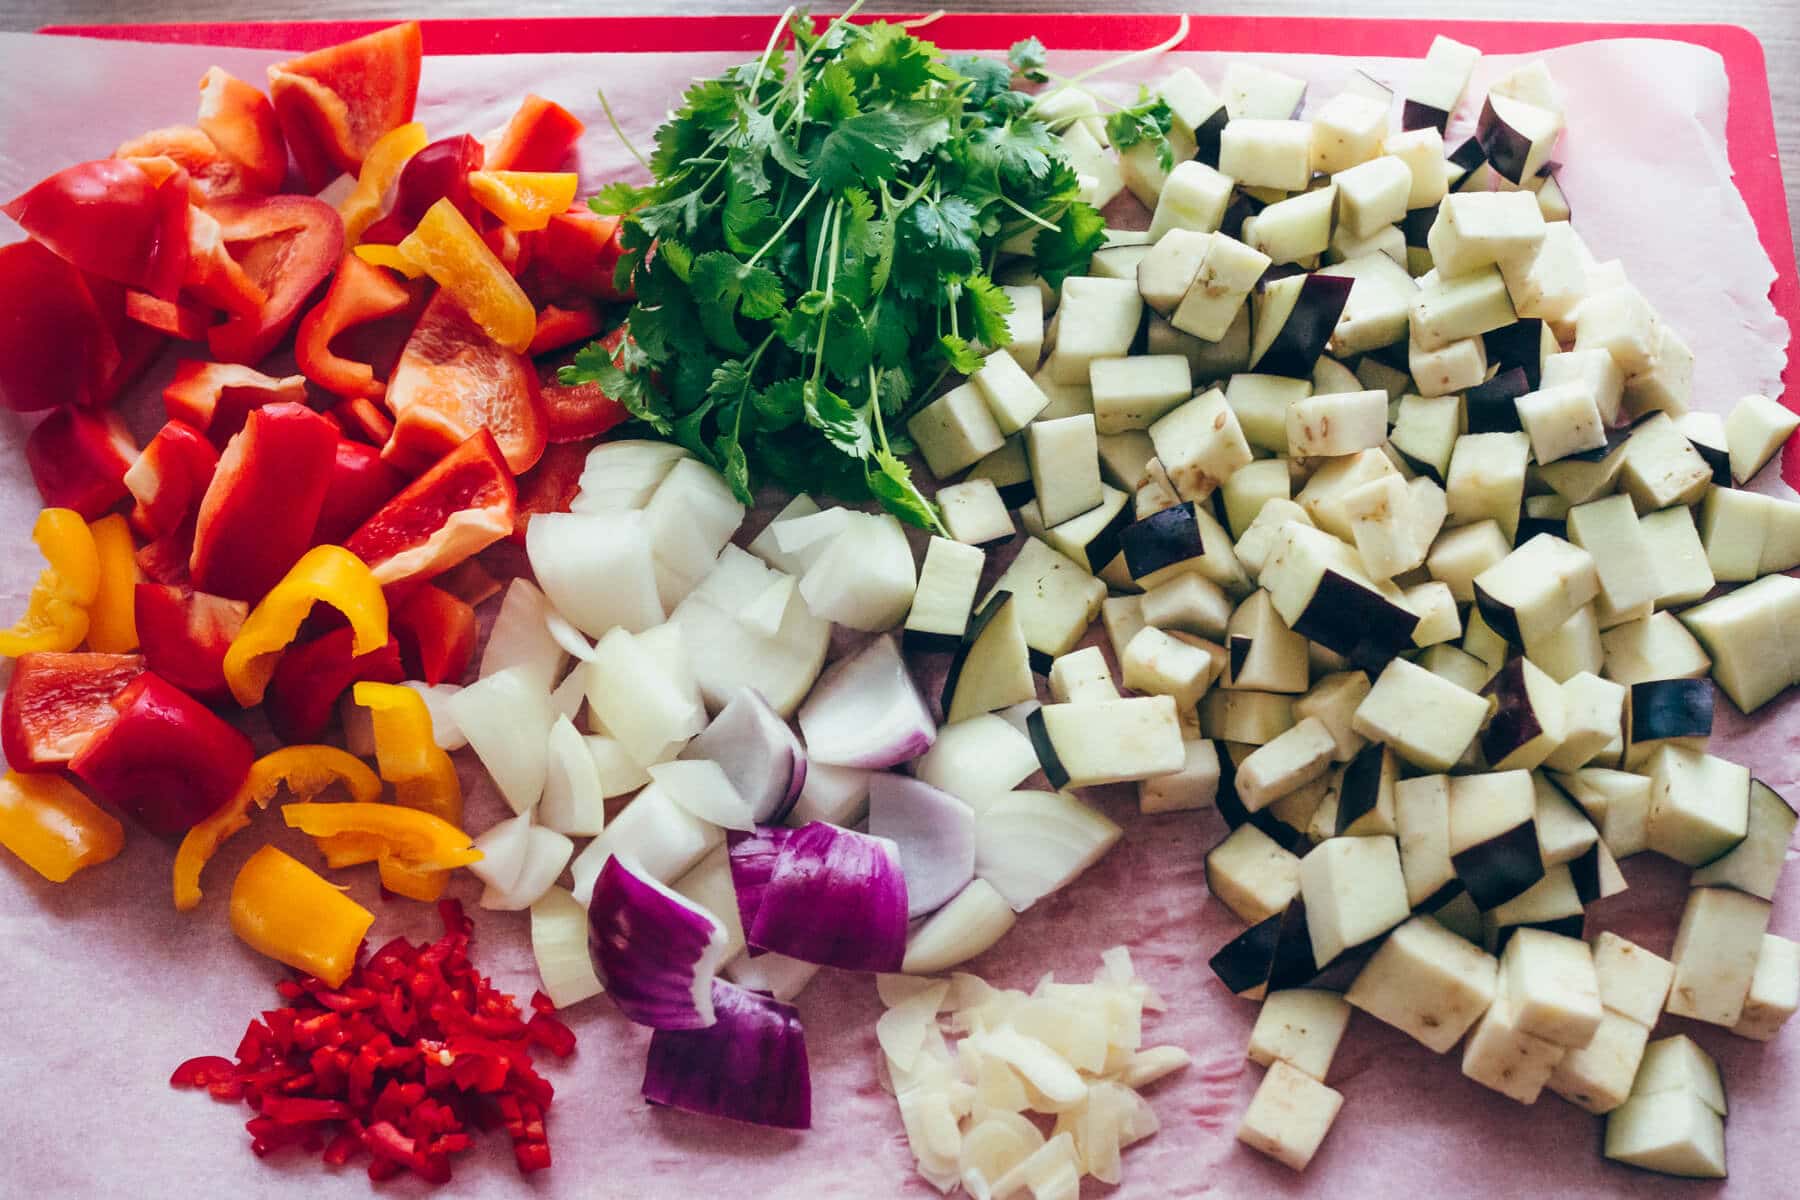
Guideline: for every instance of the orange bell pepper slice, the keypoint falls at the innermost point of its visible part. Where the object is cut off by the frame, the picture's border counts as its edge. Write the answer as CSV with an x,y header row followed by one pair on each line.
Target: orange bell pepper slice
x,y
360,293
53,828
282,908
381,169
416,838
56,616
524,200
449,250
350,849
112,618
377,254
329,574
304,770
407,753
415,883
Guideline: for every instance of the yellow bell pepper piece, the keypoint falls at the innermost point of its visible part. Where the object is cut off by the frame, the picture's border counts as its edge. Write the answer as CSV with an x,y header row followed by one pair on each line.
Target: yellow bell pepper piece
x,y
416,838
282,908
53,828
378,255
350,849
423,775
524,200
56,616
415,883
112,620
325,573
304,770
449,250
381,167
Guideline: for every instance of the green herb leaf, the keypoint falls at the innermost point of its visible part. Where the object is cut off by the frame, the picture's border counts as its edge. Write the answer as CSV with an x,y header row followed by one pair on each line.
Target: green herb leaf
x,y
865,147
988,310
1149,120
892,482
1068,249
1027,58
959,355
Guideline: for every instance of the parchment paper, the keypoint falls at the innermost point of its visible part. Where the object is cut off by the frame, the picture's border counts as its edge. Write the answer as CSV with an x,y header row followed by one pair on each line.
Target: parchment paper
x,y
106,988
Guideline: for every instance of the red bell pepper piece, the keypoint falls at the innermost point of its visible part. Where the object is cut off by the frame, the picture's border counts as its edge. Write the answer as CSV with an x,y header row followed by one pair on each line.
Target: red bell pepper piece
x,y
439,171
258,515
110,217
436,632
241,122
452,380
56,347
167,760
184,635
216,398
582,248
551,485
304,692
469,582
560,325
458,508
360,484
213,275
360,293
169,477
57,702
334,103
364,419
538,138
165,316
135,344
192,150
287,245
581,411
78,460
165,560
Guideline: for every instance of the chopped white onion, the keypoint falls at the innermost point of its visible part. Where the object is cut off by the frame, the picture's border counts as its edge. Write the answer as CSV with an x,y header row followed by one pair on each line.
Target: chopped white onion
x,y
444,729
866,711
570,695
545,857
762,613
521,637
700,786
957,932
624,474
978,759
835,795
559,943
574,801
1029,844
763,545
801,538
503,847
726,655
597,569
777,974
865,578
664,839
642,704
619,773
688,521
507,717
564,633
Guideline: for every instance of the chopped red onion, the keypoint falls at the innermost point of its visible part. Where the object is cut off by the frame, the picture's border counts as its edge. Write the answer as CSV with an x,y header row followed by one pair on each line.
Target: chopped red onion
x,y
866,711
656,951
834,897
758,752
935,833
748,1066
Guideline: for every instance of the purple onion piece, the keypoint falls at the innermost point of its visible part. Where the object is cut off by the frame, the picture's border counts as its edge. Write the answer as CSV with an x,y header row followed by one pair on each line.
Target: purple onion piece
x,y
836,898
656,951
757,751
935,835
865,711
748,1066
753,857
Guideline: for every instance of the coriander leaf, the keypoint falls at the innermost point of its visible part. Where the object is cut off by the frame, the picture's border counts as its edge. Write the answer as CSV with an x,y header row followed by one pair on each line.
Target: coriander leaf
x,y
618,198
687,432
988,309
832,415
927,126
987,77
780,405
891,332
864,147
799,326
723,285
1149,120
893,391
760,132
1018,152
730,379
942,231
888,62
676,217
1027,58
957,353
732,464
747,219
846,342
1069,248
892,483
677,257
832,96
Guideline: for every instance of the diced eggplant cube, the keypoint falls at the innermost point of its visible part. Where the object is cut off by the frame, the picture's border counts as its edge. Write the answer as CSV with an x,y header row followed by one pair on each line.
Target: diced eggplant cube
x,y
1379,514
1426,982
1422,152
1365,793
1113,741
1096,167
1082,675
1263,152
1774,990
1617,802
1214,302
1289,1115
1493,835
1486,480
1347,130
1065,469
1012,396
1597,1076
1678,1064
1091,539
955,431
1374,194
1620,321
1319,589
1516,136
1156,663
1200,444
1479,229
1170,267
1667,385
974,514
1551,986
1025,325
1755,429
1009,472
1295,230
1098,318
1122,617
1162,541
1699,804
1336,424
1066,400
1243,963
1294,319
1261,403
1754,864
1536,588
1716,947
1608,530
1377,313
1295,758
1594,715
1502,1056
1196,785
1056,599
1449,309
1671,1133
944,597
1561,420
1264,654
991,669
1247,718
1188,603
1633,981
1453,367
1334,700
1131,393
1428,720
1194,198
1655,647
1529,723
1422,818
1670,710
1354,892
1300,1027
1251,875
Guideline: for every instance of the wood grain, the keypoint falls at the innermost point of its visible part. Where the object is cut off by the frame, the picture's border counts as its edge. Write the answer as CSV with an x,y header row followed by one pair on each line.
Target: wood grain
x,y
1775,22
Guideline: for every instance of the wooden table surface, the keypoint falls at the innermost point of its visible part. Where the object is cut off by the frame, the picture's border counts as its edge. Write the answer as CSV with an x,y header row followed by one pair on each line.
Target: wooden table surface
x,y
1776,22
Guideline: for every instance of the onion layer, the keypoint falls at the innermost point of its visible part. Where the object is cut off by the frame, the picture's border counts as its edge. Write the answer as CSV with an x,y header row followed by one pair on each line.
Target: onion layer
x,y
749,1066
655,951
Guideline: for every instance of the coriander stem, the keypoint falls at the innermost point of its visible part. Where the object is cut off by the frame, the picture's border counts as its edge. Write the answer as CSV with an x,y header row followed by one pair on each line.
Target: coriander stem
x,y
1027,213
606,107
762,63
785,225
1113,64
832,214
842,18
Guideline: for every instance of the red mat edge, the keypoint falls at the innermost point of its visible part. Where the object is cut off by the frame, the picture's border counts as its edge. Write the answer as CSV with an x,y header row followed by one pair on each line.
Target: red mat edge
x,y
1750,119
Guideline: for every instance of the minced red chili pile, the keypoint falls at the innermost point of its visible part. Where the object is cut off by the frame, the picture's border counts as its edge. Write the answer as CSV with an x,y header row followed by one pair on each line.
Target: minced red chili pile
x,y
416,1049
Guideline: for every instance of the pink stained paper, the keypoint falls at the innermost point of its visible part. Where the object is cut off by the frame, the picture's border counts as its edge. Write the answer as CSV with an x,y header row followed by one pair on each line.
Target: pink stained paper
x,y
109,988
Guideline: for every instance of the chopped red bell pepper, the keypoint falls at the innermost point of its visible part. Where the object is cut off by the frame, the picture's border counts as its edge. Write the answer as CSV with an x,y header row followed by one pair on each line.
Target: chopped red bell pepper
x,y
241,122
334,103
56,346
459,507
165,560
452,380
360,484
580,411
513,251
365,420
582,248
538,138
551,485
167,760
440,171
216,398
303,695
182,321
57,702
78,460
436,633
287,245
359,293
469,582
258,515
194,152
184,635
169,477
560,325
214,275
111,218
135,345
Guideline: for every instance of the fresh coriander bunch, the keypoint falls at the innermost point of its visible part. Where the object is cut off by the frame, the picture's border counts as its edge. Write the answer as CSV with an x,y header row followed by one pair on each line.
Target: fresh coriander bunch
x,y
813,254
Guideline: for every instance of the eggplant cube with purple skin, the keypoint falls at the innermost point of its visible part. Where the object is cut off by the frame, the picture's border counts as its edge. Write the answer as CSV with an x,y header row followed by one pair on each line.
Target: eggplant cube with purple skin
x,y
1320,590
1112,741
1421,812
1428,983
1493,835
1264,654
991,668
1354,892
1529,721
1378,311
1535,589
1516,136
1294,318
1754,865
